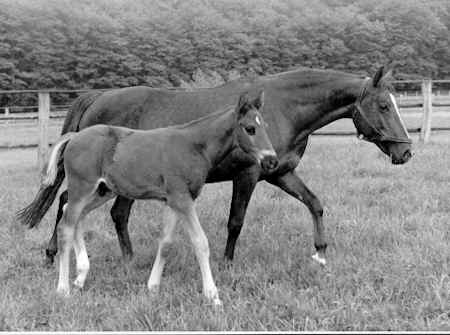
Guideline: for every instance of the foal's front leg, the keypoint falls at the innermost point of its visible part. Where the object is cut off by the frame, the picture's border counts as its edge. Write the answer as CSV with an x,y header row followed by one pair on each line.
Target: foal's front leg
x,y
169,223
201,247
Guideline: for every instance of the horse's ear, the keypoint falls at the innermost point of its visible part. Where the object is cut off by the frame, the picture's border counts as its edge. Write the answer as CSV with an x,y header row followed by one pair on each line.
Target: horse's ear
x,y
243,100
259,101
387,74
378,76
383,73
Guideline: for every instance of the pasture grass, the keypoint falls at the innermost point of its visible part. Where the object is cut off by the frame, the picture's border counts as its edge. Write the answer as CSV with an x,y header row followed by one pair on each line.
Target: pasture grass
x,y
388,257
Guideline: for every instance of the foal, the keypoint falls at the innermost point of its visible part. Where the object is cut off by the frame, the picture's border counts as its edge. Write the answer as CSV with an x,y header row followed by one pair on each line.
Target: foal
x,y
167,164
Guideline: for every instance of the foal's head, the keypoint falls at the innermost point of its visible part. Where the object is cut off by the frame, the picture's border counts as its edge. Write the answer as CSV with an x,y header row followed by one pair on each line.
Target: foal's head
x,y
251,136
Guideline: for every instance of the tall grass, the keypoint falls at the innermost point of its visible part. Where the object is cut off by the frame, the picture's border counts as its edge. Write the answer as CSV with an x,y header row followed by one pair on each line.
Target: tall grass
x,y
388,259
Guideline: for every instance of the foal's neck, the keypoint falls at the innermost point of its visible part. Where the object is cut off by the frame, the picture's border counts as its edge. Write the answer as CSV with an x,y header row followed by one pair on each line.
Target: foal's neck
x,y
214,136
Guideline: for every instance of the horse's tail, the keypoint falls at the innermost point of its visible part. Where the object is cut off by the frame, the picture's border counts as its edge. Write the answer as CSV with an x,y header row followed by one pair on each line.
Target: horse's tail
x,y
51,181
77,109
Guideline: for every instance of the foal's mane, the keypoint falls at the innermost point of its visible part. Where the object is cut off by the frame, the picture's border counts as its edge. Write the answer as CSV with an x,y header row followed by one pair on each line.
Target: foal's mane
x,y
207,117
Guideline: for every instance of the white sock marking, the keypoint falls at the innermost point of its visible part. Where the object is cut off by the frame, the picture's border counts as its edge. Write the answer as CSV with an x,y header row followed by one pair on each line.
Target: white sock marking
x,y
319,259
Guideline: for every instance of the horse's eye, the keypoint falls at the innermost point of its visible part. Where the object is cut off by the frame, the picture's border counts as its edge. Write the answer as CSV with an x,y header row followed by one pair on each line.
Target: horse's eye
x,y
384,106
250,130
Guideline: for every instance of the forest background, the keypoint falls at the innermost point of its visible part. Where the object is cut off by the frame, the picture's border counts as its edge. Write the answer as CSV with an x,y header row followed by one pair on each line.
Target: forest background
x,y
68,44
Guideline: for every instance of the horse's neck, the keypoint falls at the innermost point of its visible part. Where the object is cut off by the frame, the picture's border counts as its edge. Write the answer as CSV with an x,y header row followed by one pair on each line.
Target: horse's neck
x,y
327,102
214,136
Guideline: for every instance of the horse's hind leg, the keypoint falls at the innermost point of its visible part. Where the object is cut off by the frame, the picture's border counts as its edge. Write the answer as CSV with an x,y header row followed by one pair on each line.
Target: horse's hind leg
x,y
120,212
169,222
52,247
201,247
243,187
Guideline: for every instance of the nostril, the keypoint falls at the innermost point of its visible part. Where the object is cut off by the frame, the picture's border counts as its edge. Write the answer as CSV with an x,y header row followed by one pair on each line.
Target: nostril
x,y
269,162
273,162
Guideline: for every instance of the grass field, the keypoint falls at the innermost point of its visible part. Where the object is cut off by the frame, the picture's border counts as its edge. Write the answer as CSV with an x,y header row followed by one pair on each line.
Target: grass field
x,y
388,260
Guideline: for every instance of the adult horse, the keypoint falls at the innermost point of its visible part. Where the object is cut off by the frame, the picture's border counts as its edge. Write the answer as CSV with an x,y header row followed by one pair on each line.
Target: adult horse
x,y
298,103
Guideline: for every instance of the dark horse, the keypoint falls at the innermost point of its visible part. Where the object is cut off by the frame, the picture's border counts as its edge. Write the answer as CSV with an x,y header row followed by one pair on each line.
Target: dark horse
x,y
298,103
167,164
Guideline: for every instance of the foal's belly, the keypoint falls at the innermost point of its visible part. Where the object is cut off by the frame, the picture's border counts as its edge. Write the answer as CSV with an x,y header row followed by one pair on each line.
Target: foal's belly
x,y
154,166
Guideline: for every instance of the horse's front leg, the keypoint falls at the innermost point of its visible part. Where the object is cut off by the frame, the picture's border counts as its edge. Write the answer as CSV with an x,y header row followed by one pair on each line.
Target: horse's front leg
x,y
120,212
293,185
243,186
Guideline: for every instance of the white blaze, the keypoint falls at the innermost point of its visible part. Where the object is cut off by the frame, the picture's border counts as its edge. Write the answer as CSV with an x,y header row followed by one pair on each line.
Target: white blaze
x,y
258,122
398,113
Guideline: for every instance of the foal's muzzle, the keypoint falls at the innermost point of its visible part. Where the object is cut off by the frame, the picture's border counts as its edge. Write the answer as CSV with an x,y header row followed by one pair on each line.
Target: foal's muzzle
x,y
269,160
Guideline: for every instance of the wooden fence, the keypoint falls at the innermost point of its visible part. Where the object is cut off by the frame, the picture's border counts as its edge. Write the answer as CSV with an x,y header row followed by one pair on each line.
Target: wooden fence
x,y
425,101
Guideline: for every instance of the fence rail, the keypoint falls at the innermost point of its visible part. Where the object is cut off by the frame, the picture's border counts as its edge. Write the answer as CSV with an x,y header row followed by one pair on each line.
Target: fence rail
x,y
44,113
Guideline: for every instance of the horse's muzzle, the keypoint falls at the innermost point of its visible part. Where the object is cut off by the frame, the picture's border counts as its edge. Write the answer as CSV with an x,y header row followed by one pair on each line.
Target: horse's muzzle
x,y
269,162
406,157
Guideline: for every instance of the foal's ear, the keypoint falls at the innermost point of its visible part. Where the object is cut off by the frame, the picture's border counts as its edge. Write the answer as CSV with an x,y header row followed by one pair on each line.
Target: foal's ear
x,y
243,101
259,101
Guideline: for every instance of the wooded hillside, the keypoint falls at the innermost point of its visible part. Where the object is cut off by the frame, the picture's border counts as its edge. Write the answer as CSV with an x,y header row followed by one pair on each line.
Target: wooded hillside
x,y
114,43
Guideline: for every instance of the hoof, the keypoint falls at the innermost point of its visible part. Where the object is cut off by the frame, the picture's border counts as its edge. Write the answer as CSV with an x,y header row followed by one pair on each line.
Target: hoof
x,y
153,289
63,292
217,302
79,283
48,263
319,259
213,296
225,265
49,259
127,257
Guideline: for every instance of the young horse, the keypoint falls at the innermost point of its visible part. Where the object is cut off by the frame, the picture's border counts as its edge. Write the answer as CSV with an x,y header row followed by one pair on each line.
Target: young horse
x,y
166,164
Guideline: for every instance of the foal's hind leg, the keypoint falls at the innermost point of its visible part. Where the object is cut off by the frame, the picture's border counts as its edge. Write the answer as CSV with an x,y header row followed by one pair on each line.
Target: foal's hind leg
x,y
83,199
169,222
70,220
81,255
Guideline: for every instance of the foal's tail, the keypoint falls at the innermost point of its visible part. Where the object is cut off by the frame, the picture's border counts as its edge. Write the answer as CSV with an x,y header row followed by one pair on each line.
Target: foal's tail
x,y
50,183
54,173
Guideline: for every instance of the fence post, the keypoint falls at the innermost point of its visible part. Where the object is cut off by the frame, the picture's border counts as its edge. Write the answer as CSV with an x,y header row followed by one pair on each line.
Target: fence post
x,y
43,120
427,111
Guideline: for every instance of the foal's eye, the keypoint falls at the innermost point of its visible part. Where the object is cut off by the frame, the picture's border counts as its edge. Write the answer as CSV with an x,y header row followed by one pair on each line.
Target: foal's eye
x,y
250,130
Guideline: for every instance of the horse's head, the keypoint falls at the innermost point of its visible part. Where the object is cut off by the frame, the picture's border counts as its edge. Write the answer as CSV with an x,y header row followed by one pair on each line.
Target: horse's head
x,y
251,132
377,119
